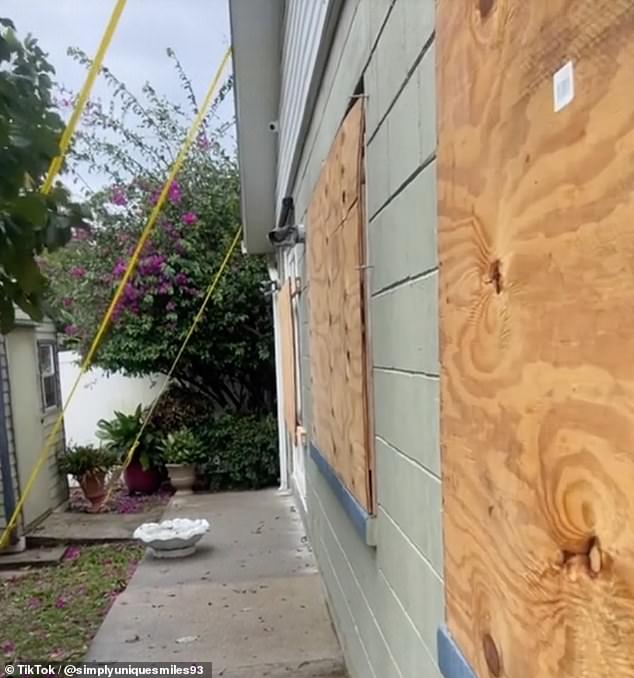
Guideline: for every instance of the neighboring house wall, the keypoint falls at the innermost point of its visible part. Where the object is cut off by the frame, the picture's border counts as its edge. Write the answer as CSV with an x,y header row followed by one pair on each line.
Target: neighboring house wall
x,y
58,485
7,425
98,395
387,601
32,420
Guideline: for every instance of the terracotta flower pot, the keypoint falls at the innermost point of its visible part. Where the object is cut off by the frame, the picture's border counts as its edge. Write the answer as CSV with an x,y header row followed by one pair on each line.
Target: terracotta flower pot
x,y
182,477
140,481
93,485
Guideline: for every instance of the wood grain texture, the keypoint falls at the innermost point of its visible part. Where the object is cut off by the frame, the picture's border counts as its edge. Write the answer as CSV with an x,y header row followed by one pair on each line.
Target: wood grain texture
x,y
536,240
287,336
336,312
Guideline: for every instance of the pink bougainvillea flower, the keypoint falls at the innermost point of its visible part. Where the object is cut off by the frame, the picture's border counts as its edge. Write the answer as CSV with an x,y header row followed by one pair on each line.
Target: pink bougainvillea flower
x,y
118,196
151,265
154,196
202,141
189,218
7,647
67,302
181,279
71,330
130,292
119,268
77,272
174,193
60,602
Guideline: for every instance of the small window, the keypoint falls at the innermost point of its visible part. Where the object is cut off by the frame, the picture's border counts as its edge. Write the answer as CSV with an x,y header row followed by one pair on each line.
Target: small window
x,y
48,375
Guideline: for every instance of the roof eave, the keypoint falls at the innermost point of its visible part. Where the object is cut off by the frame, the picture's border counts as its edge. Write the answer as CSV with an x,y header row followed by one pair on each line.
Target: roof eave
x,y
256,29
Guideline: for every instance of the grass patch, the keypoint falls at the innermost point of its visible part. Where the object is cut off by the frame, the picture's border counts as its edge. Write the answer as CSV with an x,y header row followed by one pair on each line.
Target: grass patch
x,y
54,613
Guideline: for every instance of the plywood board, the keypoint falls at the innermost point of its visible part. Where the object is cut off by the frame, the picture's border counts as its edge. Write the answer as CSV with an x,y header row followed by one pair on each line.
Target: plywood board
x,y
336,316
536,238
287,335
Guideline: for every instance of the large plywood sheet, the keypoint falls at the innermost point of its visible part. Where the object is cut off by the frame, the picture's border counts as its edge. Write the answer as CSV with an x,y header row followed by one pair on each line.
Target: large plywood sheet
x,y
536,237
337,323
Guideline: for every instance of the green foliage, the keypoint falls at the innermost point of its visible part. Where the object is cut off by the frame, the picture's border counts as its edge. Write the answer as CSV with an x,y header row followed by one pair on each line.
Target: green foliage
x,y
120,432
30,222
181,447
230,359
241,451
78,460
178,408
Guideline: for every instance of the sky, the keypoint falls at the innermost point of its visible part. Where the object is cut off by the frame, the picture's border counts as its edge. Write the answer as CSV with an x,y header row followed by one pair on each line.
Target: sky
x,y
197,30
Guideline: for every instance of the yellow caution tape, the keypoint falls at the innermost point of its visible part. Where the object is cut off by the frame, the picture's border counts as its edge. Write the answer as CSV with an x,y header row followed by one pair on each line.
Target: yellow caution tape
x,y
82,99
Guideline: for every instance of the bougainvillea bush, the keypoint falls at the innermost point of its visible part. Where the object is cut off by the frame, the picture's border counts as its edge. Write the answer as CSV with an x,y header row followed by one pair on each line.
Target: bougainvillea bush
x,y
133,142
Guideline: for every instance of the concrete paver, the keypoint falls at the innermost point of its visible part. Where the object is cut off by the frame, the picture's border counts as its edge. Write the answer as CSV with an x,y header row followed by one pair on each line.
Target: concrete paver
x,y
250,600
40,557
67,527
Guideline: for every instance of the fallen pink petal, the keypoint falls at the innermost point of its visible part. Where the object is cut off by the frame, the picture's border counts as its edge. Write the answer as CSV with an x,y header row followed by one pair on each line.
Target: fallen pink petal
x,y
72,553
33,603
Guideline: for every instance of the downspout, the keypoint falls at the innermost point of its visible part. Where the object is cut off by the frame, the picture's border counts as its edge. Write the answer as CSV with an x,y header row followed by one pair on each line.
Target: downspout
x,y
281,431
8,493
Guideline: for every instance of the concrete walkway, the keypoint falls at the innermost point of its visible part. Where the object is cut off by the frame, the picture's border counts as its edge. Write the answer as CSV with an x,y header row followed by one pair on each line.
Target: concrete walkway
x,y
250,599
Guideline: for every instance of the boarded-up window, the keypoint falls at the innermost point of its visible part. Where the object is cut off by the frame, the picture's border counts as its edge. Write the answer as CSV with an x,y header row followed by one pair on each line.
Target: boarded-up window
x,y
337,327
287,337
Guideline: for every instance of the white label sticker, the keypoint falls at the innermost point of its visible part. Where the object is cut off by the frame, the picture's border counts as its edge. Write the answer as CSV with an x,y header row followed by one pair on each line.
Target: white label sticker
x,y
563,86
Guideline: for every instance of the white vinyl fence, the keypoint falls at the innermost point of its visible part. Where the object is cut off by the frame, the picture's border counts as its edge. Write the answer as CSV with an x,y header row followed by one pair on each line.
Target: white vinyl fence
x,y
98,396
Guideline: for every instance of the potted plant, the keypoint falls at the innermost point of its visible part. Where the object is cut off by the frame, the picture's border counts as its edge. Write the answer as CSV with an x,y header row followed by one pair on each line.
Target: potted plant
x,y
89,465
181,451
143,475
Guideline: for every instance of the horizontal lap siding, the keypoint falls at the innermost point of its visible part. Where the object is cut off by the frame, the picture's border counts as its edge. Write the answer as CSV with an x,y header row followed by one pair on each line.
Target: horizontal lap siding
x,y
8,423
304,24
58,484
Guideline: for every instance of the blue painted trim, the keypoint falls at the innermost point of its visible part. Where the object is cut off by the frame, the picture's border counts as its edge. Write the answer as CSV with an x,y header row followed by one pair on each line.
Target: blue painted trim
x,y
357,514
450,660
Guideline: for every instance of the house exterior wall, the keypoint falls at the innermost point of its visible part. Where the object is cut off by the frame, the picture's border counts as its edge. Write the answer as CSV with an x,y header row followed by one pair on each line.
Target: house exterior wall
x,y
8,425
31,424
58,484
387,602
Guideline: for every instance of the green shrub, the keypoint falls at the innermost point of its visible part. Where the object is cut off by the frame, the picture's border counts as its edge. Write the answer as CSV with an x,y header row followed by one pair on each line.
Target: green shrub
x,y
119,434
241,451
181,447
78,460
178,408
